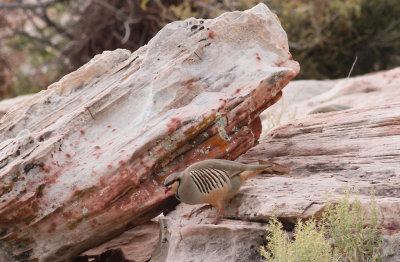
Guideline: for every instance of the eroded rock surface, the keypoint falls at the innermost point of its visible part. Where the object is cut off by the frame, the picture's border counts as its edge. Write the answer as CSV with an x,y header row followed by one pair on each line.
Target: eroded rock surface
x,y
84,160
6,104
136,244
357,148
302,97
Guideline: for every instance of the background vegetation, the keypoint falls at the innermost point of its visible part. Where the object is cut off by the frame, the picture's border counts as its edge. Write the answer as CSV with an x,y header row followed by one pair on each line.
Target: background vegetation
x,y
40,41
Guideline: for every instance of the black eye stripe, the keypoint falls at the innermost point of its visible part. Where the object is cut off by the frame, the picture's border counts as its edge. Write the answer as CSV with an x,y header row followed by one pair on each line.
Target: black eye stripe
x,y
172,181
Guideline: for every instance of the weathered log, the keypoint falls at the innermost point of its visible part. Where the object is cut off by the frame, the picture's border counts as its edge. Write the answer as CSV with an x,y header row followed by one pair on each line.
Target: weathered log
x,y
83,160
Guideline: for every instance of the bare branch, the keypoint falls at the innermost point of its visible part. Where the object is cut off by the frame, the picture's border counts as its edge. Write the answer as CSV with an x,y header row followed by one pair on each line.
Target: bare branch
x,y
50,23
43,41
29,5
352,67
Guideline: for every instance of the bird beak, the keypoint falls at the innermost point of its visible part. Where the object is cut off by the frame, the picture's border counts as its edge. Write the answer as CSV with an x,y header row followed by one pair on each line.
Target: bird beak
x,y
167,189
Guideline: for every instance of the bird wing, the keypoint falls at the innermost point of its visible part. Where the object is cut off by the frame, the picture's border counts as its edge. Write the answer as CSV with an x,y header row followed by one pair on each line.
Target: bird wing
x,y
209,179
213,183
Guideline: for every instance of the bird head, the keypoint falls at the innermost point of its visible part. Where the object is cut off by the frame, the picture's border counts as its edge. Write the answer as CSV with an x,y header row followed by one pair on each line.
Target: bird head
x,y
172,182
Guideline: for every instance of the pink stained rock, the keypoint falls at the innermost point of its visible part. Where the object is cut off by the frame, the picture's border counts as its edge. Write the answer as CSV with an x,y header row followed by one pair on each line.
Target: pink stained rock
x,y
85,159
136,244
356,149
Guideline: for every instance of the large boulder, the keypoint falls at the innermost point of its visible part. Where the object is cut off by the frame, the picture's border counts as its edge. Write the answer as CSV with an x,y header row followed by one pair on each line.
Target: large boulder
x,y
85,159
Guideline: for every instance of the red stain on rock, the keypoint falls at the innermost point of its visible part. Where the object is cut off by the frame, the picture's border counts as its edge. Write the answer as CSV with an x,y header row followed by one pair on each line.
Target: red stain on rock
x,y
237,91
45,168
109,166
68,155
108,126
173,124
82,132
52,227
121,162
189,83
97,155
258,57
97,147
114,130
93,223
67,214
103,181
53,178
124,172
256,127
211,34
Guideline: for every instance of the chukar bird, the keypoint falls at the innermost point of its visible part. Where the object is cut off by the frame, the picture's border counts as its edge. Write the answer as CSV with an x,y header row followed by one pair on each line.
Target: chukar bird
x,y
215,181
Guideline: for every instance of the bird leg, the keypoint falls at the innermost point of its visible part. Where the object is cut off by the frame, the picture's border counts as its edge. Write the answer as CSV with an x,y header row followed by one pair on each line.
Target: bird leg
x,y
199,210
218,215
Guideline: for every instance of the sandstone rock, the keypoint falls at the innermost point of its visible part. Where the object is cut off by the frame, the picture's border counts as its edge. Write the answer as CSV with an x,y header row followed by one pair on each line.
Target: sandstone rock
x,y
136,244
304,96
357,149
6,104
190,241
82,161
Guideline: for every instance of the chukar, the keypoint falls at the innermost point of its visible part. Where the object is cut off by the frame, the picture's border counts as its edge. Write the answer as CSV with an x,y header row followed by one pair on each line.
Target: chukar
x,y
215,181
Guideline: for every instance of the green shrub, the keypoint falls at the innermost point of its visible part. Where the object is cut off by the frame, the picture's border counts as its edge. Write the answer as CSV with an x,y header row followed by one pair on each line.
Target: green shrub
x,y
309,243
326,36
345,233
354,233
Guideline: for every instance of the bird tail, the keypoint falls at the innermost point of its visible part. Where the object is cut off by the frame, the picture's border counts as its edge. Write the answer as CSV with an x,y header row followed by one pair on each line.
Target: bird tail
x,y
274,168
266,167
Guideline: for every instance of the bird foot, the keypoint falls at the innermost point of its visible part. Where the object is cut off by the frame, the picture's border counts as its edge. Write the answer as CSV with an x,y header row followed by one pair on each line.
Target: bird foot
x,y
199,210
216,221
218,215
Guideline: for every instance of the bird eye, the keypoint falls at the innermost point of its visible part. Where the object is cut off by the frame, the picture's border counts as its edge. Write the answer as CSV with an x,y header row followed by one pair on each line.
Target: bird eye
x,y
166,184
169,183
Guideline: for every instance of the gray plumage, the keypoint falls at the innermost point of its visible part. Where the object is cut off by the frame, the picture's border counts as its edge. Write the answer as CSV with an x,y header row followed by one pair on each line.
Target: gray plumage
x,y
214,181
